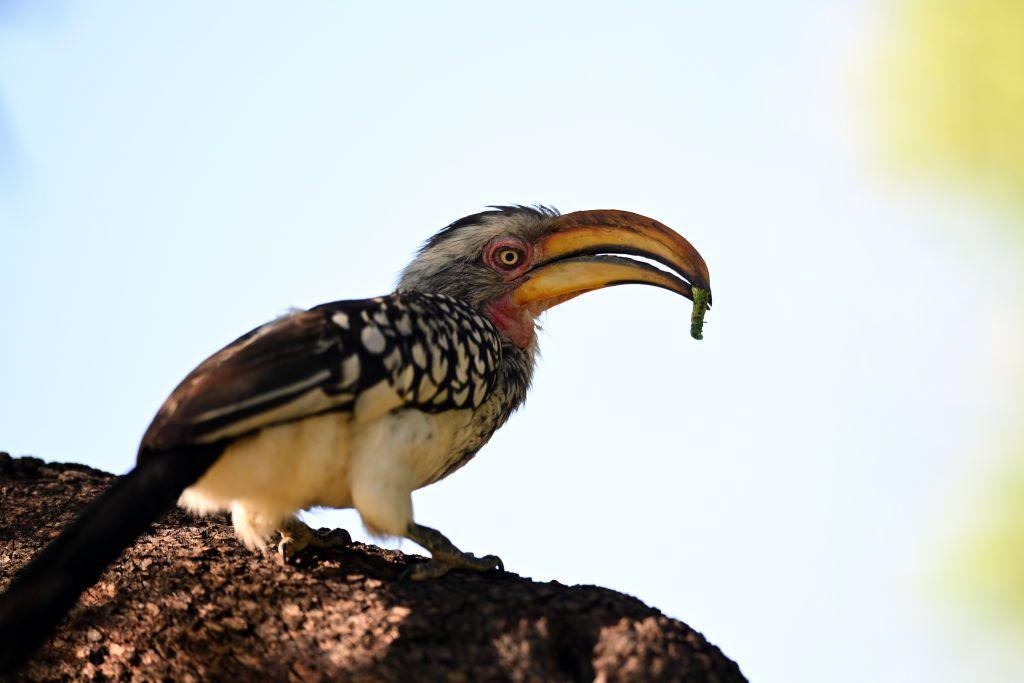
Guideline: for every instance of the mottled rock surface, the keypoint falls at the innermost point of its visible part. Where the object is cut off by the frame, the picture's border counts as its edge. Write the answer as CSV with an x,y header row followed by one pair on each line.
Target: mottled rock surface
x,y
187,602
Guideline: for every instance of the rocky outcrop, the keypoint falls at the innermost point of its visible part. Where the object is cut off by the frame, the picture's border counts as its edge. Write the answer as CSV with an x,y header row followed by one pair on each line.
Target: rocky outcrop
x,y
187,602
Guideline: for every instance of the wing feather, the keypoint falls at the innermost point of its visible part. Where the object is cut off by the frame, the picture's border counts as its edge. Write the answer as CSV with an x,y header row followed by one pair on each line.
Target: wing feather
x,y
364,356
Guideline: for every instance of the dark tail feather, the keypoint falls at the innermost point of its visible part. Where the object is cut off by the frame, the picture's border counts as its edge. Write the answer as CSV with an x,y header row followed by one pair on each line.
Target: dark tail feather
x,y
47,588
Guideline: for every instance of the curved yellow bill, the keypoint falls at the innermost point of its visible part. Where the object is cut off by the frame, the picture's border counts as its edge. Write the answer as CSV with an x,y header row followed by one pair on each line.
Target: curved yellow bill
x,y
580,252
563,280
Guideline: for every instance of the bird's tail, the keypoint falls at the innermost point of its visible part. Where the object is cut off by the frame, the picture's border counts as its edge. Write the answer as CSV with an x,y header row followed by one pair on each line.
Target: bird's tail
x,y
46,589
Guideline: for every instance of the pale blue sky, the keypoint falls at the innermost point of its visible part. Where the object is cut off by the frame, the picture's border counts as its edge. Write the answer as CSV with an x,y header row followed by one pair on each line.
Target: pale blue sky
x,y
175,175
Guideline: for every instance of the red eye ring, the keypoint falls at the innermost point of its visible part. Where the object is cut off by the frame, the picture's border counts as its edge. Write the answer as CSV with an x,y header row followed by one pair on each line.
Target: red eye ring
x,y
507,255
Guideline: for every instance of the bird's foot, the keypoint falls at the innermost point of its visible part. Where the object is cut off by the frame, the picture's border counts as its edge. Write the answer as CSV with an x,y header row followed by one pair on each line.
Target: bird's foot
x,y
296,536
441,565
444,556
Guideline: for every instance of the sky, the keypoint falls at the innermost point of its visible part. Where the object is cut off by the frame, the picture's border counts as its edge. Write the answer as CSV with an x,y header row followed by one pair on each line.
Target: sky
x,y
171,176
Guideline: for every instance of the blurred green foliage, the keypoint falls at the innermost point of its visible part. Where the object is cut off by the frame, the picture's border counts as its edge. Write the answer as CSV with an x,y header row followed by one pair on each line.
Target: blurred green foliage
x,y
954,92
953,99
990,566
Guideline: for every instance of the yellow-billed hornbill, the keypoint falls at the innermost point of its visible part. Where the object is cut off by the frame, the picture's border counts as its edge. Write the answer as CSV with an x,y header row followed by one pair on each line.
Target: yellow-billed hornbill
x,y
358,403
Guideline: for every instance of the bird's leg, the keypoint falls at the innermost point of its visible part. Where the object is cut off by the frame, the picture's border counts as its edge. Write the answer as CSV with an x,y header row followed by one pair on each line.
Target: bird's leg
x,y
296,535
444,556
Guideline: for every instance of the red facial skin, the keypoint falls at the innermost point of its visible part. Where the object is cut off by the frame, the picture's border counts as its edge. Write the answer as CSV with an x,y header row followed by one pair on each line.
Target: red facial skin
x,y
514,321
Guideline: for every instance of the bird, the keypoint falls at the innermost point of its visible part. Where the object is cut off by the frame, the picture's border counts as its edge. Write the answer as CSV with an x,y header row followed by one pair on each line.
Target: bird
x,y
358,403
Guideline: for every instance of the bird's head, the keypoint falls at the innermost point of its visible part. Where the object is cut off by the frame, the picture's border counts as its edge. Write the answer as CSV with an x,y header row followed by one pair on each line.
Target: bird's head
x,y
514,262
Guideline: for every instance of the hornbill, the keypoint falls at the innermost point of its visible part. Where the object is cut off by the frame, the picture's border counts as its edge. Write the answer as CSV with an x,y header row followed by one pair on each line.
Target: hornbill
x,y
358,403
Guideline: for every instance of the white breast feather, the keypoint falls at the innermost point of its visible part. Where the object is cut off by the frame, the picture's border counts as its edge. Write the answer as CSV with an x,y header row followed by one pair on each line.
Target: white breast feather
x,y
334,460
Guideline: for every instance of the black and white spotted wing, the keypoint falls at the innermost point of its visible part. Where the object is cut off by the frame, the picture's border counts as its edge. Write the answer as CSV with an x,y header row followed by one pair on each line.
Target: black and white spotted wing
x,y
433,352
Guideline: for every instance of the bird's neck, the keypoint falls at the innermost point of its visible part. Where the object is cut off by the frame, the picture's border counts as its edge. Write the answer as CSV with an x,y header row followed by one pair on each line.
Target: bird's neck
x,y
515,375
515,322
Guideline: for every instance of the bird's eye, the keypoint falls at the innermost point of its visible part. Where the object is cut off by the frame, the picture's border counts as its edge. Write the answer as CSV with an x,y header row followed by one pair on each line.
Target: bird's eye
x,y
508,257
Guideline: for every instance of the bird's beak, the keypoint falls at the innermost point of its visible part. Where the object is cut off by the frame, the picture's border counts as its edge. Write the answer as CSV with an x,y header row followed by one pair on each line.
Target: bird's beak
x,y
582,251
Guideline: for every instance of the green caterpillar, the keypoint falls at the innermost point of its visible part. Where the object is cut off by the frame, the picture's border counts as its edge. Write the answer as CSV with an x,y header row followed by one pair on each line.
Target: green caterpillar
x,y
700,307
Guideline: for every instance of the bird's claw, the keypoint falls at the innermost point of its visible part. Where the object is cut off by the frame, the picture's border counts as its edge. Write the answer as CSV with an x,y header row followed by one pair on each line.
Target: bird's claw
x,y
440,565
287,549
297,536
495,561
331,538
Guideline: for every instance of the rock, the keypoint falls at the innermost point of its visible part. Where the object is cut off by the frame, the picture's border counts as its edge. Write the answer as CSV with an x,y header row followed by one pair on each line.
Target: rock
x,y
188,602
